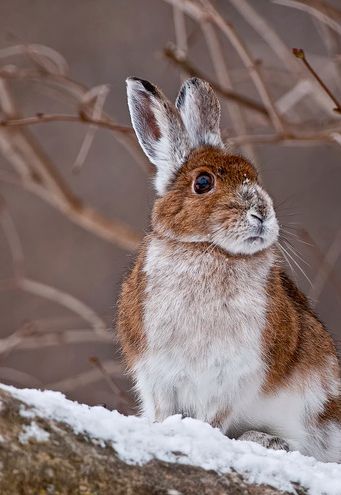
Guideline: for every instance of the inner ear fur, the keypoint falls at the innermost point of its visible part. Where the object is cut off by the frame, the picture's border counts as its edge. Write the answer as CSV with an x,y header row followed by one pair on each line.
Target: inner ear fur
x,y
200,111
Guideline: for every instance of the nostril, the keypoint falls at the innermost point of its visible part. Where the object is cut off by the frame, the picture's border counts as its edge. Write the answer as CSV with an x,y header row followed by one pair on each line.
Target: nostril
x,y
258,217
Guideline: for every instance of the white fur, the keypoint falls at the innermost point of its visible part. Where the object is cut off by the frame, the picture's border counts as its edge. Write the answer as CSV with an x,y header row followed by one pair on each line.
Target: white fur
x,y
200,112
204,351
235,238
204,343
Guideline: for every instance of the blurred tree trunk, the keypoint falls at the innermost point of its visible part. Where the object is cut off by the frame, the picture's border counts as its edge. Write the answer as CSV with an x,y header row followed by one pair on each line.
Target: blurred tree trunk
x,y
67,463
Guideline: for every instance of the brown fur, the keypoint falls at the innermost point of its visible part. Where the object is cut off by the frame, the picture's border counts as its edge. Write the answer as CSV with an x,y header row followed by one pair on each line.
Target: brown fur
x,y
130,312
294,338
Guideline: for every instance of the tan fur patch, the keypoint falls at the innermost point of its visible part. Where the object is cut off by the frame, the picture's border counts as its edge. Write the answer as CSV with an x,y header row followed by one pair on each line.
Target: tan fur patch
x,y
130,312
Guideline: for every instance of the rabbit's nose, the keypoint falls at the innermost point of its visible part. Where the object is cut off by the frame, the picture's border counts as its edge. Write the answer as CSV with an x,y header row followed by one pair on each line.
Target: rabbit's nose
x,y
256,217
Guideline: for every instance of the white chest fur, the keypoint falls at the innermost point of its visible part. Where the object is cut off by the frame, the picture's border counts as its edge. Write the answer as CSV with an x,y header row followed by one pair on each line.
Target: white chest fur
x,y
203,320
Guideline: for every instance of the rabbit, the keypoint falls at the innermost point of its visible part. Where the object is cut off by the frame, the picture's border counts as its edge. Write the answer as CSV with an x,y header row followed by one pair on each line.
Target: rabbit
x,y
210,325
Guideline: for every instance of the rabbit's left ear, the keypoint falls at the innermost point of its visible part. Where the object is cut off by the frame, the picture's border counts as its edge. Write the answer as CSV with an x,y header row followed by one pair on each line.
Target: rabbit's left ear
x,y
200,111
159,129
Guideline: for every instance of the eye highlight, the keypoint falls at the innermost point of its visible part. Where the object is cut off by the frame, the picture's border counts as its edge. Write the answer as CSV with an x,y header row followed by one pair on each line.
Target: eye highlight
x,y
203,183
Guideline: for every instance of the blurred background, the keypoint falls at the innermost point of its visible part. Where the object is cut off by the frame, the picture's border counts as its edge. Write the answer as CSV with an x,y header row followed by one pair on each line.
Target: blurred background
x,y
76,191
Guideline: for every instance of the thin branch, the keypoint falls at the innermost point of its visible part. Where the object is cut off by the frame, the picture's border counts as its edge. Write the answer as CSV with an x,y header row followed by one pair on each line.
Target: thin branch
x,y
110,230
100,94
170,53
180,31
46,57
220,67
64,299
13,376
228,29
19,341
317,11
319,136
44,290
206,11
299,53
321,260
121,396
307,137
81,118
86,377
13,239
20,148
265,31
76,91
328,264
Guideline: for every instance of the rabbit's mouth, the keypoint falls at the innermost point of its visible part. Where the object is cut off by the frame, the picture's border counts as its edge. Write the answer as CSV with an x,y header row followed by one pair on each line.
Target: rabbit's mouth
x,y
247,238
255,239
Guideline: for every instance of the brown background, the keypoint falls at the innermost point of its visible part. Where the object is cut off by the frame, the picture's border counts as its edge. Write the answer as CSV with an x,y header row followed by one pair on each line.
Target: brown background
x,y
105,41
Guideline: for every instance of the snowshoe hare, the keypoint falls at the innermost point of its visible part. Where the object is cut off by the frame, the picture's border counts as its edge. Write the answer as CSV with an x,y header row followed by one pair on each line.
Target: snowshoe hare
x,y
210,325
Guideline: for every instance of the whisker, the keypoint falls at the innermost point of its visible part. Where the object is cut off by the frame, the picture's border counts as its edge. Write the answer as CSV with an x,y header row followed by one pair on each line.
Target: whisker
x,y
286,258
297,237
288,224
298,266
293,250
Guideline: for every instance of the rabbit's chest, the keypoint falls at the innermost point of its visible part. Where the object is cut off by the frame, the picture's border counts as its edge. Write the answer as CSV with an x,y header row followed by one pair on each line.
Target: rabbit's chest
x,y
202,321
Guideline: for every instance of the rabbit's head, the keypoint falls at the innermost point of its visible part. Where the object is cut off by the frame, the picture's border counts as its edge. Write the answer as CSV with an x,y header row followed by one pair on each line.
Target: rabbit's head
x,y
205,194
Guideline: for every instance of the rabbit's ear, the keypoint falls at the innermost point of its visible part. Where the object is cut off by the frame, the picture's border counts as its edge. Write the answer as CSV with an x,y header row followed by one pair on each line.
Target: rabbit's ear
x,y
159,129
200,111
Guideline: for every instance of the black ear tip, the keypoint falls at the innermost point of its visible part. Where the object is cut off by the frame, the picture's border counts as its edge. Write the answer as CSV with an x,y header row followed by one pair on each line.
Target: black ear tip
x,y
146,84
194,81
181,96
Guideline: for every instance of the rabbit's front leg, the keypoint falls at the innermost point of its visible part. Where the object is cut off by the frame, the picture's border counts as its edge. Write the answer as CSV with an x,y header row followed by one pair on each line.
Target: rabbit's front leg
x,y
158,399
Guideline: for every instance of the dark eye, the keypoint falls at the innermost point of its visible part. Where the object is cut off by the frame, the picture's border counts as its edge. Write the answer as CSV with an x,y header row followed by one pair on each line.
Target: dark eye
x,y
203,183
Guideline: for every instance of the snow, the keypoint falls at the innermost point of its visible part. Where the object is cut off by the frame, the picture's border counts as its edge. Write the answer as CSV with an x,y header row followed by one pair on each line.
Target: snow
x,y
182,440
33,432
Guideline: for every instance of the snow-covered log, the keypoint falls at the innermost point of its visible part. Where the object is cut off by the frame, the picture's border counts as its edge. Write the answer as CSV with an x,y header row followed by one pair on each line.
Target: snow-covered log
x,y
50,445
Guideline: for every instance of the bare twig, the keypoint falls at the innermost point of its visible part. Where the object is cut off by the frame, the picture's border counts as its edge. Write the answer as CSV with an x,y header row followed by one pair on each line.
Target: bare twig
x,y
46,57
99,93
302,137
180,31
76,91
299,53
322,261
64,299
87,377
13,240
330,259
19,341
218,60
44,290
81,118
21,149
319,10
205,11
121,396
12,375
265,31
192,71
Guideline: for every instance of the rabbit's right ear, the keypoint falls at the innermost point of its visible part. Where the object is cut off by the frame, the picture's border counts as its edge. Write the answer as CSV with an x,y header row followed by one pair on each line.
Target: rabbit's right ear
x,y
159,129
200,111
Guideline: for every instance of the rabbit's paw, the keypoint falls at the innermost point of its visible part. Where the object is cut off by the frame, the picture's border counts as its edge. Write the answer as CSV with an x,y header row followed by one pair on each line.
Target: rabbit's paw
x,y
268,441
